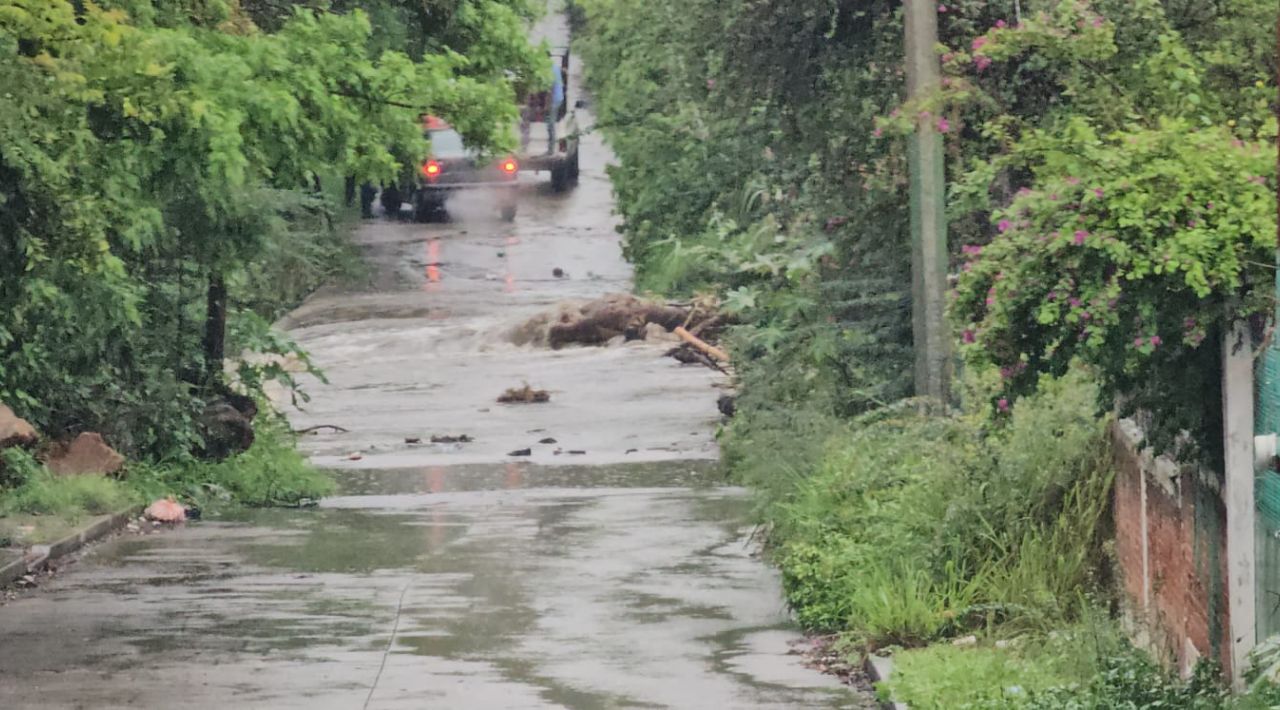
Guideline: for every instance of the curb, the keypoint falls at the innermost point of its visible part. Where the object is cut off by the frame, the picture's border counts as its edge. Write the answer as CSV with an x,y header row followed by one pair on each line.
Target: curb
x,y
39,556
878,669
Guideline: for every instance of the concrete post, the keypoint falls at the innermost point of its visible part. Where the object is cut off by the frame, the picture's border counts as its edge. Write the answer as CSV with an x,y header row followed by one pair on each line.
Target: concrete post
x,y
932,337
1238,462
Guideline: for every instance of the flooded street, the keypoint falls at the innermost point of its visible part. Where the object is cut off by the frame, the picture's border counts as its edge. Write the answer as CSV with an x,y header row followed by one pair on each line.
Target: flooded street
x,y
452,575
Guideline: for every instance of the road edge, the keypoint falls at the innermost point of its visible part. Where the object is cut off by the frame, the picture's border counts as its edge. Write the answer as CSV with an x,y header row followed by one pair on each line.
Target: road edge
x,y
879,669
39,556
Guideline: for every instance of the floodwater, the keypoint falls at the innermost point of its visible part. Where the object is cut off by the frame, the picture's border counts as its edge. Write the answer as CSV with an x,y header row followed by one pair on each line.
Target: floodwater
x,y
451,575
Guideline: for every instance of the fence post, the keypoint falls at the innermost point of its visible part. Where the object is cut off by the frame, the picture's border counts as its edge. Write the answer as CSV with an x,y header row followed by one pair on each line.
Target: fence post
x,y
1238,494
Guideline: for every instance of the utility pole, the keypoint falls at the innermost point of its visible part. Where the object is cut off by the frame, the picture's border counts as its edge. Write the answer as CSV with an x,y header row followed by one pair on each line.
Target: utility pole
x,y
928,209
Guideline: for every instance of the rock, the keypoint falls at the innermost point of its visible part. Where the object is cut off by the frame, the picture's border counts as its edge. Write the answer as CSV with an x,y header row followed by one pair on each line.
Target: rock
x,y
227,426
548,440
616,341
87,454
728,405
15,431
965,641
520,452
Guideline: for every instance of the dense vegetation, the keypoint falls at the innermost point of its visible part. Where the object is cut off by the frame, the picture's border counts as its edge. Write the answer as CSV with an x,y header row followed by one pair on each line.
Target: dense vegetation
x,y
168,175
1110,207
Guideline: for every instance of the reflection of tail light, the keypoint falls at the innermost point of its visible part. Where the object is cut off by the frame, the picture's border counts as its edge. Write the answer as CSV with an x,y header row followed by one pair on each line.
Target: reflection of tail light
x,y
431,170
510,166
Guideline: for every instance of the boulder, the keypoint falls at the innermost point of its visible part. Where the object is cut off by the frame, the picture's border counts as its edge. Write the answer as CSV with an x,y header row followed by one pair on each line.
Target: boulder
x,y
87,454
15,431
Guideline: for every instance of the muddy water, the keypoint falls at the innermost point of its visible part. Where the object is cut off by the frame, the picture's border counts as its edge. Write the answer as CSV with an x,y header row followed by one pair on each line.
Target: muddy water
x,y
452,575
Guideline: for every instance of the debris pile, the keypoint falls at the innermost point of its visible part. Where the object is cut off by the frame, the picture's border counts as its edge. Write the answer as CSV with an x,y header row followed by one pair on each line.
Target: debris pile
x,y
524,395
618,317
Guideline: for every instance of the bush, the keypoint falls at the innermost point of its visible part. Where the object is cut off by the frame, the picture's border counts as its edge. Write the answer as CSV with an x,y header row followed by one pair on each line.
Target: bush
x,y
913,527
271,472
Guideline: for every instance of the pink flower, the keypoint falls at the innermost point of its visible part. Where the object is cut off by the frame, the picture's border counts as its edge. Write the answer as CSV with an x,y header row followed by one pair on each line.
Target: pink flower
x,y
1097,21
971,249
1137,342
991,300
943,125
1209,206
1097,192
877,132
1079,237
947,57
1155,340
1001,24
982,63
1004,225
979,43
968,336
1074,302
942,8
1002,404
711,83
1073,181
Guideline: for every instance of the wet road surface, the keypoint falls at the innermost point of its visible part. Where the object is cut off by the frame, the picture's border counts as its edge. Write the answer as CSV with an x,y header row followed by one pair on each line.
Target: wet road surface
x,y
451,576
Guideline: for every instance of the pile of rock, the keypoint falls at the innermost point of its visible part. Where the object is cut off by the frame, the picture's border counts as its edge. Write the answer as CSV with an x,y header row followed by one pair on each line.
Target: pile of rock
x,y
86,454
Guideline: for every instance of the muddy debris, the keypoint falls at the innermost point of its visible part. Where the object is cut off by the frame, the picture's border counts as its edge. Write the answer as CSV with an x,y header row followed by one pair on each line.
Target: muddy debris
x,y
548,440
413,440
520,452
686,354
451,439
616,316
558,273
524,395
728,405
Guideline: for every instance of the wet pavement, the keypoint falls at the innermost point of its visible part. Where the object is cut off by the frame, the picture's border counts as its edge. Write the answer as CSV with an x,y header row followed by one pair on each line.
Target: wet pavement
x,y
451,575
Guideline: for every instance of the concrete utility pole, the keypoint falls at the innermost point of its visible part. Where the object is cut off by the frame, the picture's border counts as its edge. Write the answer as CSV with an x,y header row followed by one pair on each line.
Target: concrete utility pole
x,y
928,209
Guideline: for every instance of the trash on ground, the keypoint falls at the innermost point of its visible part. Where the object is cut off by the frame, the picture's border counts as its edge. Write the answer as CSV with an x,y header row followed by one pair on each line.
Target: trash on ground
x,y
524,395
166,510
451,439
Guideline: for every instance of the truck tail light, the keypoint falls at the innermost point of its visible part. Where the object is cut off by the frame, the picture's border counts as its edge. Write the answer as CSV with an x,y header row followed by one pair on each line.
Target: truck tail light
x,y
510,166
431,169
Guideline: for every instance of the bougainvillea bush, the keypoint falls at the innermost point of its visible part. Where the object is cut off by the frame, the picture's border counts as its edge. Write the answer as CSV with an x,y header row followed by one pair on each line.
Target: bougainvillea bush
x,y
1128,254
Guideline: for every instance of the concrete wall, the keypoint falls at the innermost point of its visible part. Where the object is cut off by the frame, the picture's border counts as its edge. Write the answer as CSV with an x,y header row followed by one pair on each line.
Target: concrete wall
x,y
1171,554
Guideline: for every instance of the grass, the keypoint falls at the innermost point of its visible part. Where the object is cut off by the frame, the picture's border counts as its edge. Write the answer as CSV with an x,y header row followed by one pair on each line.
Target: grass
x,y
43,506
944,676
907,529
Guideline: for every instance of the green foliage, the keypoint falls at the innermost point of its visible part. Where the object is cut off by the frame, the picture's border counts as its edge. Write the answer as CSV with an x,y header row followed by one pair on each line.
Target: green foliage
x,y
43,493
914,528
1127,255
152,149
271,472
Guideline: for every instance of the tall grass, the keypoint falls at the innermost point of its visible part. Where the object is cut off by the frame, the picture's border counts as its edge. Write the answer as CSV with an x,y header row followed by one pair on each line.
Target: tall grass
x,y
913,528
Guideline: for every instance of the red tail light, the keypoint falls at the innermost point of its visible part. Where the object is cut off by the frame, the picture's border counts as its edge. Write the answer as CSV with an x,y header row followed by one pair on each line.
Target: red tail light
x,y
510,166
431,169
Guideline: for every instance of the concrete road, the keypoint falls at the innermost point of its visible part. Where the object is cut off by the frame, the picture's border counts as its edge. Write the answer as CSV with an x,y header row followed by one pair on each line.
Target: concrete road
x,y
451,576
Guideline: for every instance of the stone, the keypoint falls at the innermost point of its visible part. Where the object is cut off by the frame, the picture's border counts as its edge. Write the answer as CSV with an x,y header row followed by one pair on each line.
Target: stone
x,y
15,431
87,454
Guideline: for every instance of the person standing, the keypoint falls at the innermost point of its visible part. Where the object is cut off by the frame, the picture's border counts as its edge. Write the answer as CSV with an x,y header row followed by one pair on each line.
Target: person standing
x,y
555,101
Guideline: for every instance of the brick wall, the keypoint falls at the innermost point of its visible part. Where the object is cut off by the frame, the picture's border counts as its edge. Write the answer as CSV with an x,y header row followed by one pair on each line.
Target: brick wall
x,y
1171,554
